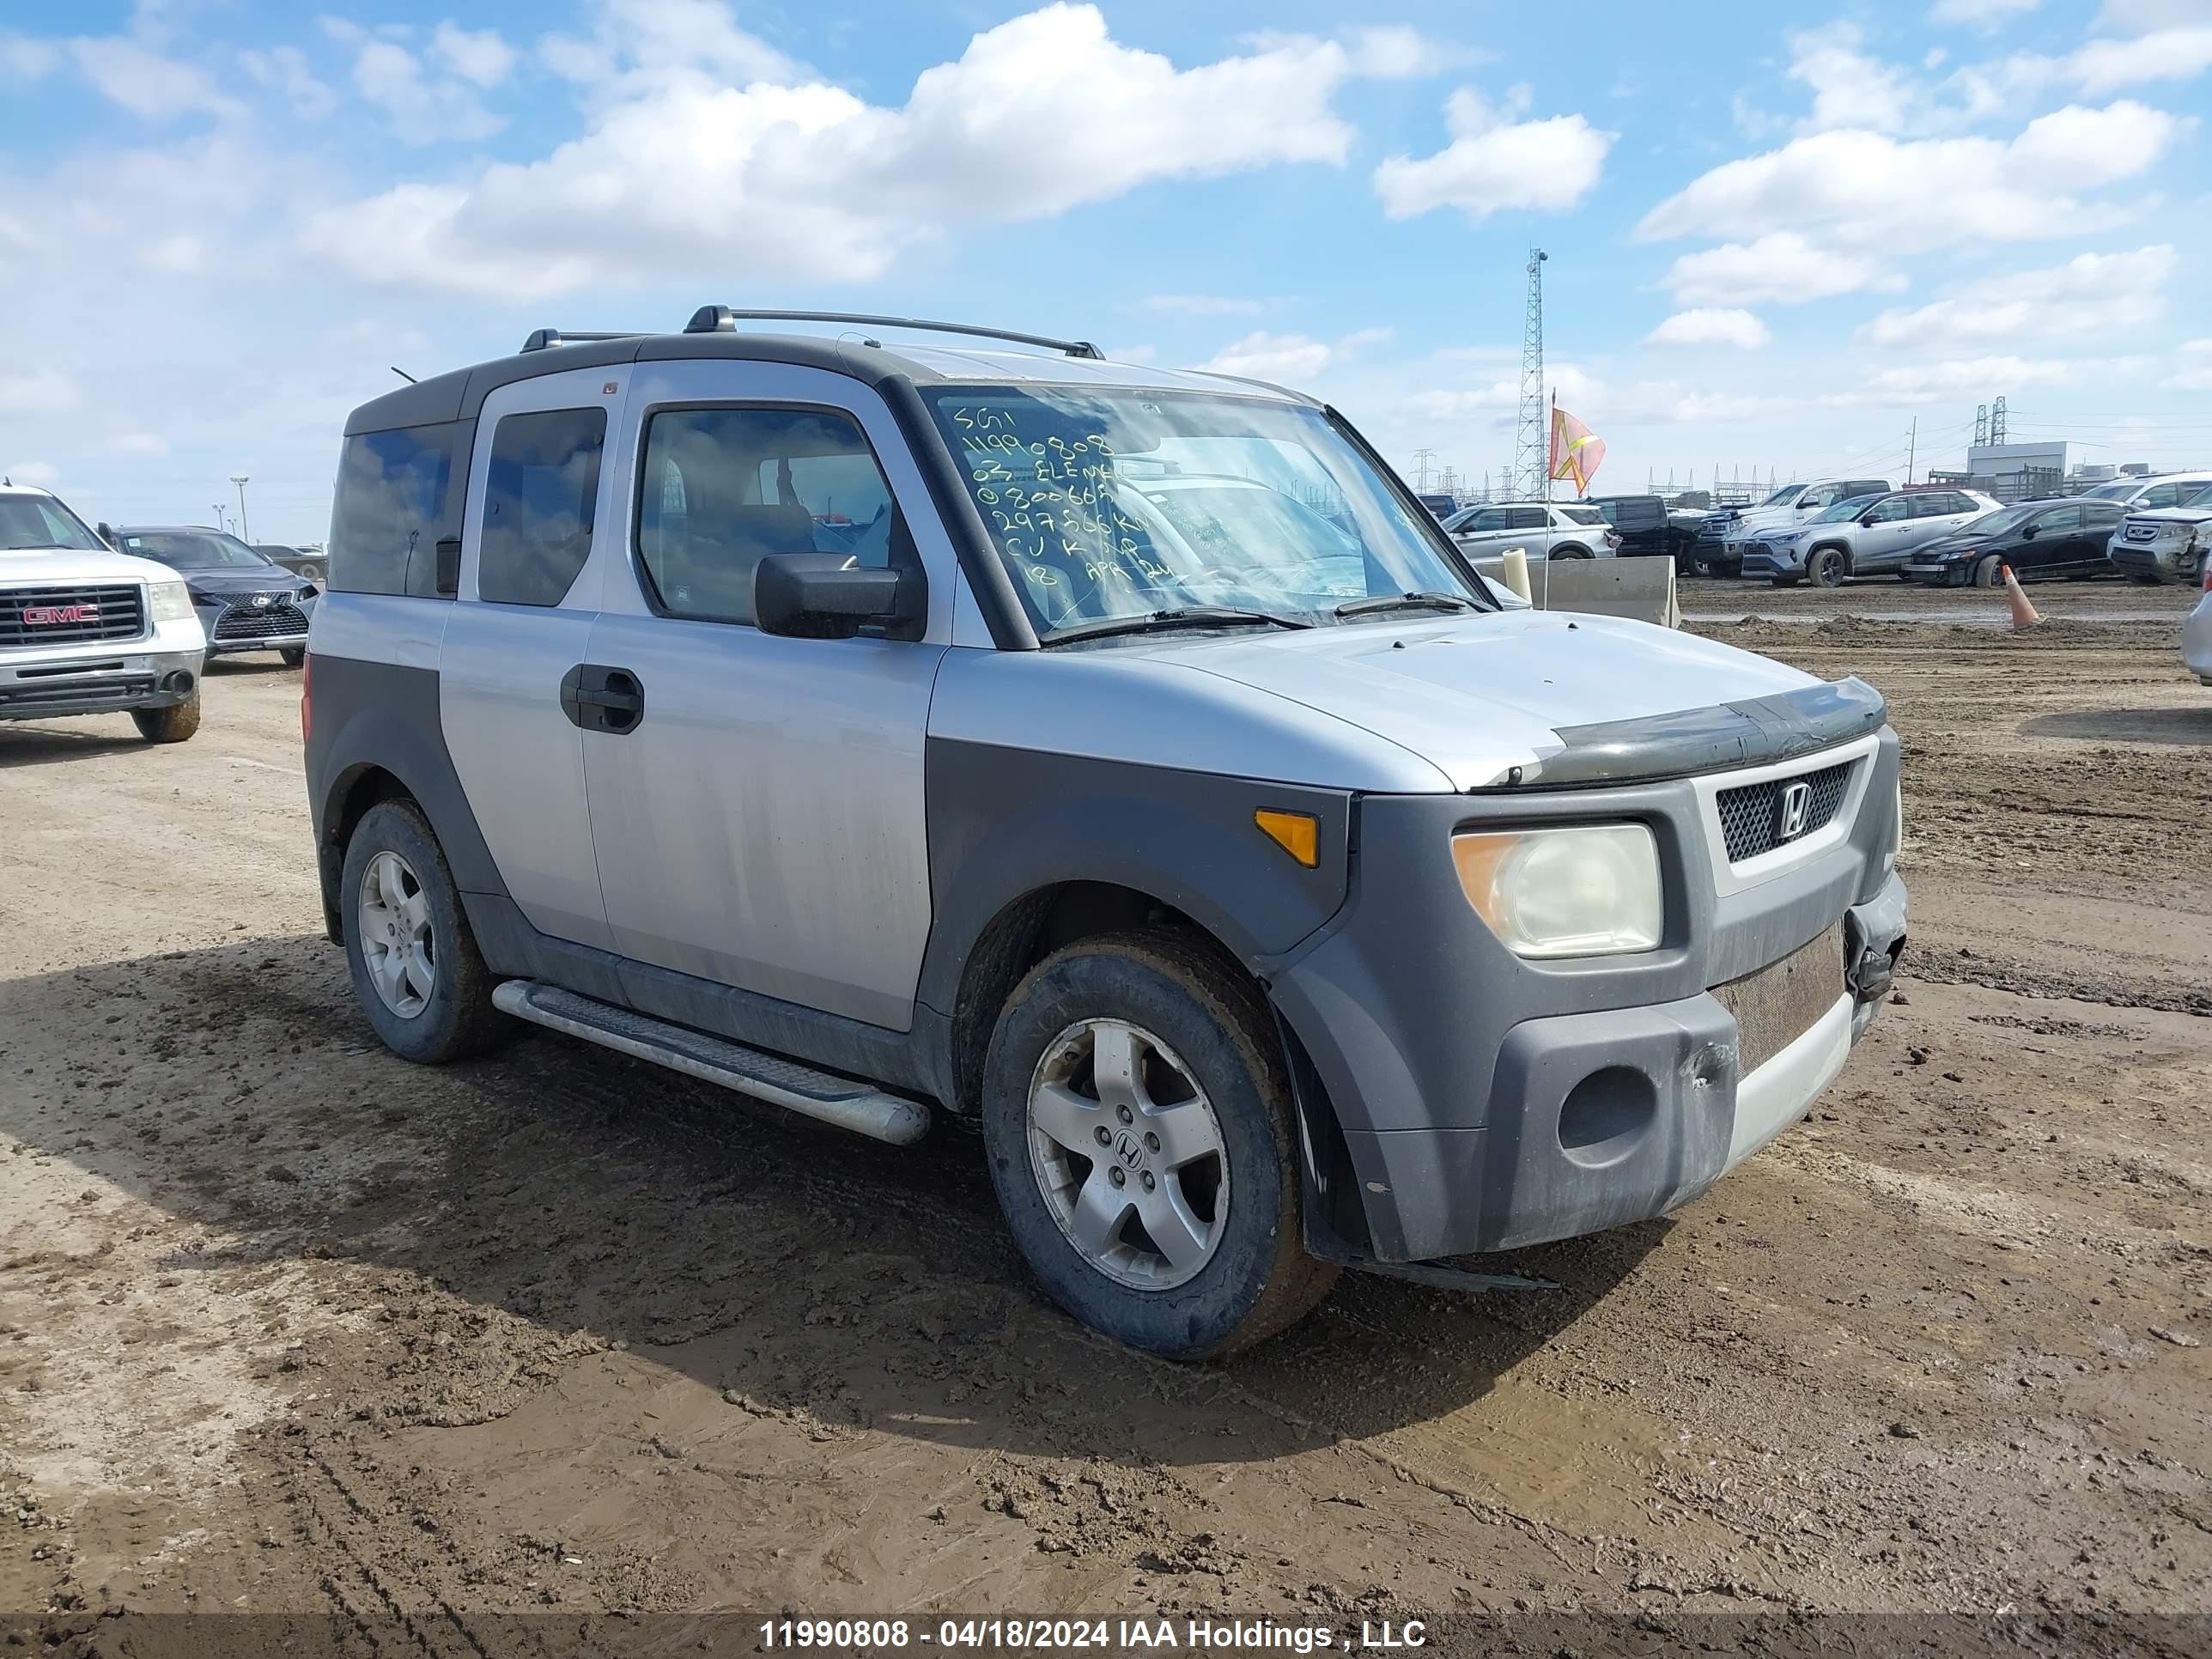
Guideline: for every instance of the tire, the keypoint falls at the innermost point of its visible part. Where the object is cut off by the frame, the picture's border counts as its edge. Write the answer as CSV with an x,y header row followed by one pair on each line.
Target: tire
x,y
293,655
1985,573
313,572
1190,1020
1781,582
2148,578
455,1018
171,725
1827,566
1570,551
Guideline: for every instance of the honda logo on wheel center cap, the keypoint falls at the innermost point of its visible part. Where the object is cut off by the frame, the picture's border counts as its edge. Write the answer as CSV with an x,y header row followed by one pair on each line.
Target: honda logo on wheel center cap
x,y
1129,1151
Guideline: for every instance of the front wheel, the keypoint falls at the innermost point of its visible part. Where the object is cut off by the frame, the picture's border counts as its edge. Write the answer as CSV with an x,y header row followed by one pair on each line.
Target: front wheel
x,y
1985,573
171,725
416,971
1137,1118
293,655
1828,567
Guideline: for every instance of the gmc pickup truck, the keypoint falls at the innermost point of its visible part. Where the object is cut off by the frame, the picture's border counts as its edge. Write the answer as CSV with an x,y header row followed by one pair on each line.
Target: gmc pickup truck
x,y
86,631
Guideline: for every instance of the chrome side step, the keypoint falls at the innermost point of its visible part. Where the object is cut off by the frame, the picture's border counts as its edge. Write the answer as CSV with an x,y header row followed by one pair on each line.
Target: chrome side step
x,y
785,1083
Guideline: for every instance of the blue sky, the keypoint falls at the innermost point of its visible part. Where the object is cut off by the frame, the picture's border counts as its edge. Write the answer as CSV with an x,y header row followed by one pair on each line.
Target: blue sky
x,y
1778,235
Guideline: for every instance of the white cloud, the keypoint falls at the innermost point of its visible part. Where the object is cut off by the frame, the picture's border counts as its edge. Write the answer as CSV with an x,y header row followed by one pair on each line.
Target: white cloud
x,y
1203,305
2143,15
1711,327
139,443
284,70
808,181
1782,268
1980,14
1851,89
2091,294
37,392
22,58
1290,357
42,475
480,56
637,44
2195,374
1868,191
1954,377
148,84
1496,162
423,110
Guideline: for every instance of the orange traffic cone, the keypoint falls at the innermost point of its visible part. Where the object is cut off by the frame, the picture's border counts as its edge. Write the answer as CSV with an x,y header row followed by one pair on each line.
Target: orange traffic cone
x,y
2023,613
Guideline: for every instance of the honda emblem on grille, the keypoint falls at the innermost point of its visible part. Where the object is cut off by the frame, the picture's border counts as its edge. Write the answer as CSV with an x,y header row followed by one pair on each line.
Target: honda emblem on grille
x,y
1796,807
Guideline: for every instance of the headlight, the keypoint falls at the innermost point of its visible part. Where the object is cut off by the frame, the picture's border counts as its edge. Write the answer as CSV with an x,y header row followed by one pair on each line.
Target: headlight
x,y
1578,892
168,601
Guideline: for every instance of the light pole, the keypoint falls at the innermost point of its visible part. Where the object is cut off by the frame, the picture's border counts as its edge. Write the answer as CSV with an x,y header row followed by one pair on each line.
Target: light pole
x,y
239,479
218,515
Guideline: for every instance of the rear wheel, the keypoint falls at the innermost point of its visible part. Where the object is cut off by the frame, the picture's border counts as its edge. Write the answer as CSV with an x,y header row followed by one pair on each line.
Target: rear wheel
x,y
416,971
1139,1123
1828,567
171,725
1570,551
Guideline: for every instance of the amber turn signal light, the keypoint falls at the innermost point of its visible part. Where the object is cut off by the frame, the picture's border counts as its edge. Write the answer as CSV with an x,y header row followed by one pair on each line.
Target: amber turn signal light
x,y
1297,834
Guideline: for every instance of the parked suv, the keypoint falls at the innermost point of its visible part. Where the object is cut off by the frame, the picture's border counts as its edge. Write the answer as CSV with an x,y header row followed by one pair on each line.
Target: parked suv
x,y
1864,537
1725,534
2165,543
246,601
1563,529
84,630
883,729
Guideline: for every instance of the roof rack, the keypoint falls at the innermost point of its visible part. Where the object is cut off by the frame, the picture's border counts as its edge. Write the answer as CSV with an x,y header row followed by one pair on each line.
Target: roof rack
x,y
721,319
545,339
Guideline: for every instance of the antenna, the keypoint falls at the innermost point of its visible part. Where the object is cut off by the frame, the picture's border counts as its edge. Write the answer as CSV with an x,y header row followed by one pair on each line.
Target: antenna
x,y
403,374
1532,447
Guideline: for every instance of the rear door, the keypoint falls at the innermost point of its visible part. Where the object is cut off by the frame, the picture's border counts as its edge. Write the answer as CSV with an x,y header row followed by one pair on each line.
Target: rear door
x,y
2100,522
760,822
528,592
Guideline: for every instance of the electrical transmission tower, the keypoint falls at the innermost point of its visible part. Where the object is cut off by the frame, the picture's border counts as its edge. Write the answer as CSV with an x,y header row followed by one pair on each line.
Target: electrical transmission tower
x,y
1981,425
1531,450
1997,422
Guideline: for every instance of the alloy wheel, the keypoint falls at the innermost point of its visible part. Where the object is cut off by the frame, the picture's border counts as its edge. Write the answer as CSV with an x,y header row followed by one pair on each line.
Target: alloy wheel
x,y
392,921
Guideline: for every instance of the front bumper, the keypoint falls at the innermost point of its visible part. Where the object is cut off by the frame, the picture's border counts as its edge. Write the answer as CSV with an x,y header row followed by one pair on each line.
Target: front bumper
x,y
1774,563
1486,1102
98,684
222,621
2165,558
1938,576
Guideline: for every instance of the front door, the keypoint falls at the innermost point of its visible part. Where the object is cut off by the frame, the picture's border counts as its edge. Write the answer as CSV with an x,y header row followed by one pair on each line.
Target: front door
x,y
1885,533
540,506
759,819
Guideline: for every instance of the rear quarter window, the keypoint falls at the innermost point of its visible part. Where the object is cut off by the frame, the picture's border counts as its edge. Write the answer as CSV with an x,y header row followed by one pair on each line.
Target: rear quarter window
x,y
399,494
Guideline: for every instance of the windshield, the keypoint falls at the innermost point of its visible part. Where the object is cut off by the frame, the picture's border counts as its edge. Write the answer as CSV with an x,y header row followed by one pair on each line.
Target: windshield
x,y
1119,504
1843,510
191,550
40,521
2202,498
2114,492
1784,495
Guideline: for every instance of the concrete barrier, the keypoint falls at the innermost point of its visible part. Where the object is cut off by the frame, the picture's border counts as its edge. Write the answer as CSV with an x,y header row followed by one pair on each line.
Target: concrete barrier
x,y
1641,589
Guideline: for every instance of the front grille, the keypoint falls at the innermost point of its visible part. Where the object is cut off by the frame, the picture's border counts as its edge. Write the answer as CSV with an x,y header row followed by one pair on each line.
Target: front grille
x,y
70,616
276,621
1751,814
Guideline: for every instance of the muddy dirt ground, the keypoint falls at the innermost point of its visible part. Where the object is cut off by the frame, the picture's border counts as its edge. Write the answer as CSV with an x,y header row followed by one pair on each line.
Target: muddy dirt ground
x,y
289,1326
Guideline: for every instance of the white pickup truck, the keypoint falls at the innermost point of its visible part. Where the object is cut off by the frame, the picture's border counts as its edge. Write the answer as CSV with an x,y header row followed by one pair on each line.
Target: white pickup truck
x,y
86,630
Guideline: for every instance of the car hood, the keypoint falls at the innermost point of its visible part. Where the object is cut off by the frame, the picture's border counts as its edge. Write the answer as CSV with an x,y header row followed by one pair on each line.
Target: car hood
x,y
1477,696
45,564
229,580
2173,515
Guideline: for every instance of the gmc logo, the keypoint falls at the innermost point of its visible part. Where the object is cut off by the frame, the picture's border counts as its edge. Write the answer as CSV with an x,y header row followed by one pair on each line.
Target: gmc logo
x,y
36,616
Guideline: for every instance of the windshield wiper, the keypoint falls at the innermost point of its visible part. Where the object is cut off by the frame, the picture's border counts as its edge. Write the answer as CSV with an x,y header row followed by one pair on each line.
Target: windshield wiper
x,y
1405,602
1196,616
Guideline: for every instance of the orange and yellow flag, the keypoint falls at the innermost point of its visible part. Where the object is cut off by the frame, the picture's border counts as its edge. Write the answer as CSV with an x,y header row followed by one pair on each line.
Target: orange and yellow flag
x,y
1576,452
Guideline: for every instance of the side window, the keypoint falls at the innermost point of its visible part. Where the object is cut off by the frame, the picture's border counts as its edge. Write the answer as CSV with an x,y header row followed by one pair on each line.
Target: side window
x,y
1936,504
2159,496
1526,518
1491,518
1826,495
398,497
539,497
2059,520
2105,515
1888,510
722,488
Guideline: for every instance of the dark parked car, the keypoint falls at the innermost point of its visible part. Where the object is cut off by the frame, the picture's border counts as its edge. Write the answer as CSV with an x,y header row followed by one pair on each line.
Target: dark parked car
x,y
244,600
2042,541
300,561
1648,528
1442,506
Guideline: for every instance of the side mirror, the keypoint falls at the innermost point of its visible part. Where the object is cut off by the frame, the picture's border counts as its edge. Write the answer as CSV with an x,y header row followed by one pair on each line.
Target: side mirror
x,y
827,596
107,533
1807,506
2028,533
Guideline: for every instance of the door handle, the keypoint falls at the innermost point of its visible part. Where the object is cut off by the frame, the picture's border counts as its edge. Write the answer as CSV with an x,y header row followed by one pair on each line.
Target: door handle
x,y
598,698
